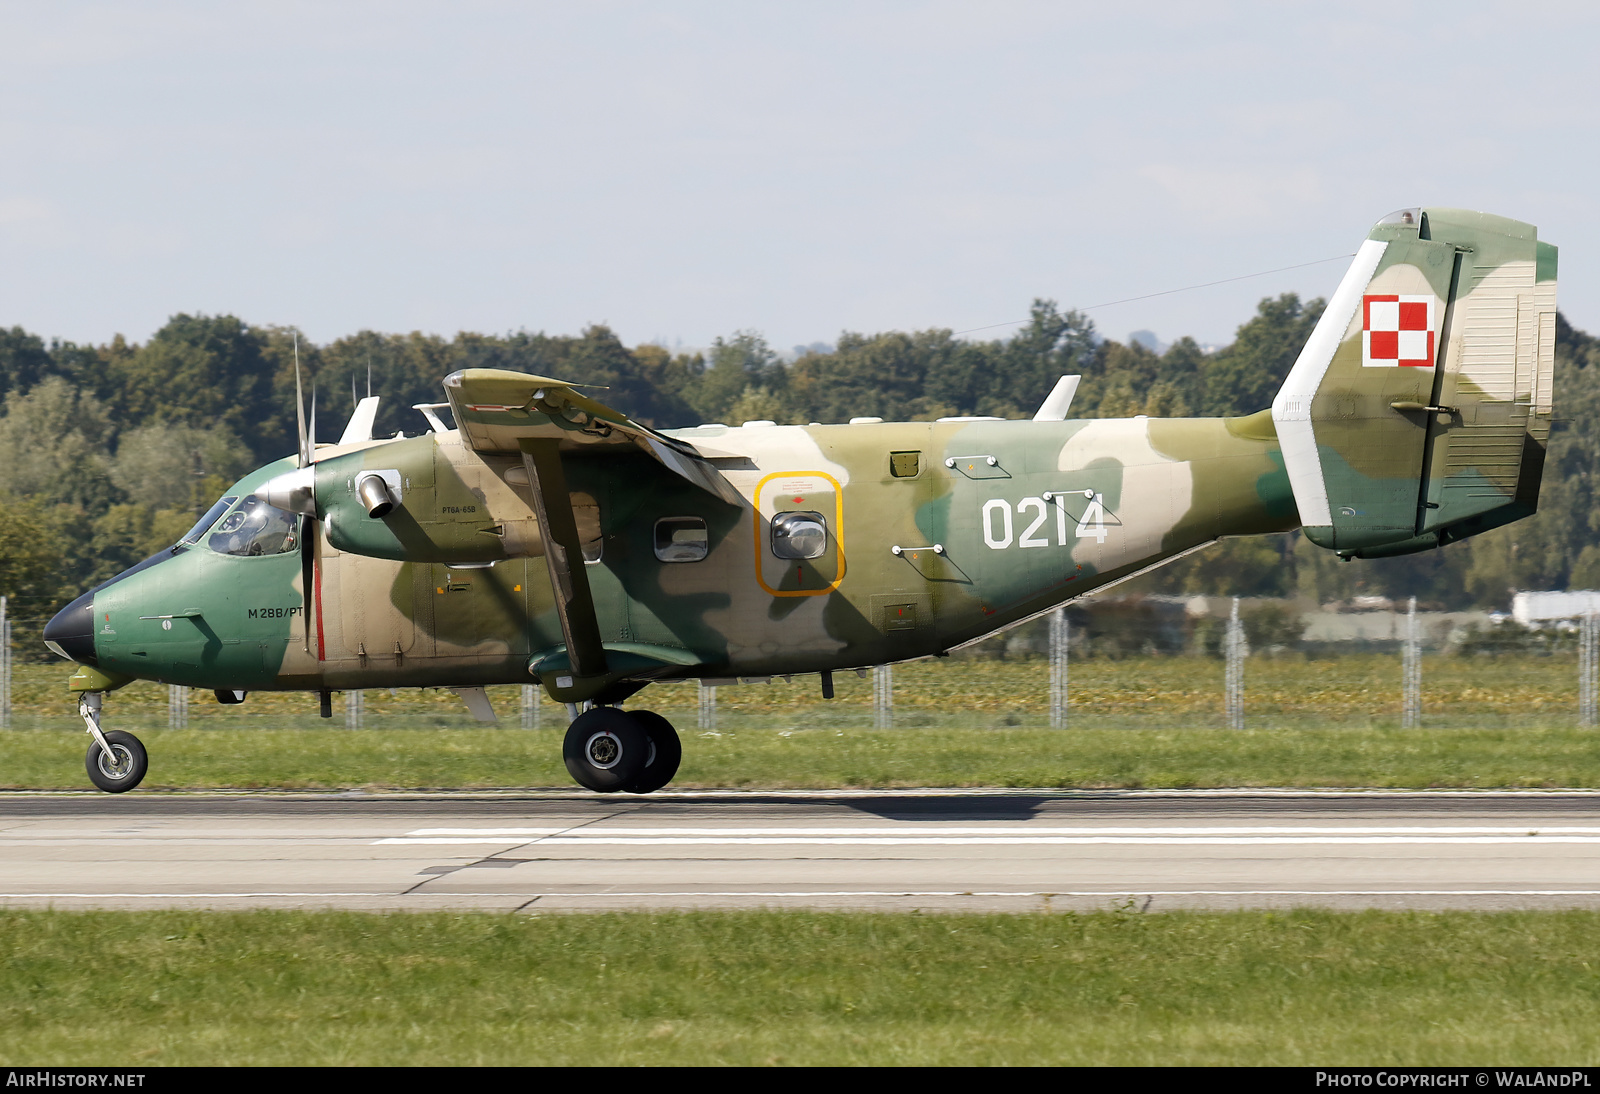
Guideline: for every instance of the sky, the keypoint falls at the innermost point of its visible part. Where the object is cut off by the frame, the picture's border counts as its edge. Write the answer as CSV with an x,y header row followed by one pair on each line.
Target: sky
x,y
685,170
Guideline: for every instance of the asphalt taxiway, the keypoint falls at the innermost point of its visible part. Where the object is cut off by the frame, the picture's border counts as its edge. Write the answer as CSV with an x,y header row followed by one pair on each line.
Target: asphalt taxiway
x,y
967,850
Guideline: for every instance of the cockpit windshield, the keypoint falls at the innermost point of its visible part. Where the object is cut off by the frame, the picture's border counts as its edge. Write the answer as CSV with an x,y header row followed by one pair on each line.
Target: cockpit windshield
x,y
200,526
256,528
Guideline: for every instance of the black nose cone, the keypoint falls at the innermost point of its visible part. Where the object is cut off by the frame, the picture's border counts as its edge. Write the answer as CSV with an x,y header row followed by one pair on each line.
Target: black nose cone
x,y
71,632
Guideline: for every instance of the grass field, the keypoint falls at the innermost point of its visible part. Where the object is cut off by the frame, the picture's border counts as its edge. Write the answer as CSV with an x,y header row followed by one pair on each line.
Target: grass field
x,y
1181,692
170,988
1152,722
829,758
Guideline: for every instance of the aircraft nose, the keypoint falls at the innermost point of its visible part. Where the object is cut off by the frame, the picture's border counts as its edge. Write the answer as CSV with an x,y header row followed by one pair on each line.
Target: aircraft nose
x,y
71,633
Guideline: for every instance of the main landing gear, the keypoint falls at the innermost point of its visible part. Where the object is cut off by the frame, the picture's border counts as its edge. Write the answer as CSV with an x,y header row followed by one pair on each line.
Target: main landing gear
x,y
116,761
608,749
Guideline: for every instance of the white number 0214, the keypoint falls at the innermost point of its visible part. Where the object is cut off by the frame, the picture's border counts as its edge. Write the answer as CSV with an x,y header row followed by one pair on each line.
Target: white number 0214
x,y
999,526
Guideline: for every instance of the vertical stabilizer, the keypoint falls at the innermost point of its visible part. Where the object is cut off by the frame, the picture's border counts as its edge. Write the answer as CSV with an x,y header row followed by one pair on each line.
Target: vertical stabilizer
x,y
1418,412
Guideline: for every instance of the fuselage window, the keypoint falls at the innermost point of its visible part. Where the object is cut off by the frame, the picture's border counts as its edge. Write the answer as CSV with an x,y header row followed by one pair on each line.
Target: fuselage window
x,y
905,465
591,536
256,528
681,539
799,535
200,526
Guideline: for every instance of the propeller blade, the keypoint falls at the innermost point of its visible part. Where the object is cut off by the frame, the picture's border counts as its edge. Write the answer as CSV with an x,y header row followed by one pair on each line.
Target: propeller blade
x,y
308,572
304,457
308,524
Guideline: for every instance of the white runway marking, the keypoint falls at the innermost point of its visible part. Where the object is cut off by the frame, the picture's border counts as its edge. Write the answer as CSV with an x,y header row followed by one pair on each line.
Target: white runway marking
x,y
971,835
801,893
1017,830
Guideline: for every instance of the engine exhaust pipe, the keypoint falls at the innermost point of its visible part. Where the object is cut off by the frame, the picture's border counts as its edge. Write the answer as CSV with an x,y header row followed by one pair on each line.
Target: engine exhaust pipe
x,y
374,494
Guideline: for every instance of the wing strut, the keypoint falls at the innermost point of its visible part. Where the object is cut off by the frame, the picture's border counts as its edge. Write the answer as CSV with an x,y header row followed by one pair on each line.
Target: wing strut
x,y
563,553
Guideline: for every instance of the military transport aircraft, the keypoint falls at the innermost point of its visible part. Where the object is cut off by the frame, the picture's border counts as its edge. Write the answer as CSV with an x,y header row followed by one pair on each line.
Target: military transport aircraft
x,y
549,539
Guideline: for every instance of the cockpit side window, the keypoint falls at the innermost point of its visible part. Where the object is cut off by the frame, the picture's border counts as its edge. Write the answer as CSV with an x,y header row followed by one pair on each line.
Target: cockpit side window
x,y
256,528
193,535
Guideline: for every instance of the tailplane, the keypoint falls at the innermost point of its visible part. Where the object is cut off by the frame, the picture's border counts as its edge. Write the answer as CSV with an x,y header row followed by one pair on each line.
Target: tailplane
x,y
1419,410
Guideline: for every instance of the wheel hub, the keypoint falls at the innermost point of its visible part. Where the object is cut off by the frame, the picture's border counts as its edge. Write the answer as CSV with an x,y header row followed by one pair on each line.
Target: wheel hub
x,y
118,764
604,749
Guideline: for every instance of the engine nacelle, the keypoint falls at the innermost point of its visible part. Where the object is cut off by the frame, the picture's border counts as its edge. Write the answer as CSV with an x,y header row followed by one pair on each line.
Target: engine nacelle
x,y
423,499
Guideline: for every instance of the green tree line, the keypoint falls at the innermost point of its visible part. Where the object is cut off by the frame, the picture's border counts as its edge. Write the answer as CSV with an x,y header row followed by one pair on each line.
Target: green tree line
x,y
108,452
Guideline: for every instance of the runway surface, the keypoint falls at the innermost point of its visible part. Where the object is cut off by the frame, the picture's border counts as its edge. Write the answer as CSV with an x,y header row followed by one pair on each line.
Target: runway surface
x,y
959,850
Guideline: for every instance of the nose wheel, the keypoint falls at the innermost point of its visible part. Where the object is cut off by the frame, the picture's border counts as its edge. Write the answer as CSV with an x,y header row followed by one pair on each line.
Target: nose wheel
x,y
123,768
116,761
607,750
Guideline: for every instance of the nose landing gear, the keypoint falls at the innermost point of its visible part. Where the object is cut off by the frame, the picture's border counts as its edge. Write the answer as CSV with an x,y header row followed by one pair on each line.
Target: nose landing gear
x,y
116,761
608,749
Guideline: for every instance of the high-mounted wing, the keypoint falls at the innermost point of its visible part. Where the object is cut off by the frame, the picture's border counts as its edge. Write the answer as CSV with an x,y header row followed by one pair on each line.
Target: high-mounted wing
x,y
499,411
542,418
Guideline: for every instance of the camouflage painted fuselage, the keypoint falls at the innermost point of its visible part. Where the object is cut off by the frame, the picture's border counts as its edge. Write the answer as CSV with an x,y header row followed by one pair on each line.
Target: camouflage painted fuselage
x,y
1416,415
1025,515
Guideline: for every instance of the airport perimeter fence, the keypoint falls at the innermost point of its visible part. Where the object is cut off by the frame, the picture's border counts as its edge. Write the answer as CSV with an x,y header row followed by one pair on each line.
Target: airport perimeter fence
x,y
1238,667
5,663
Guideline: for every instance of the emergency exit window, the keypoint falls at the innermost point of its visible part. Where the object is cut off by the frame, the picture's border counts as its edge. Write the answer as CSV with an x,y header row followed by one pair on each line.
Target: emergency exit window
x,y
799,535
905,465
681,539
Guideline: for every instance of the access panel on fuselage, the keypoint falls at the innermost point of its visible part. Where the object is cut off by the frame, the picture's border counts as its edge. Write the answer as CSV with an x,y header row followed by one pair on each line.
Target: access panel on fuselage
x,y
479,612
373,602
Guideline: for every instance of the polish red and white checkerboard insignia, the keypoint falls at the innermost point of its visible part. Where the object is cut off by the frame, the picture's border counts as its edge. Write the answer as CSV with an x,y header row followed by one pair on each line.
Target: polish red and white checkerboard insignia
x,y
1397,331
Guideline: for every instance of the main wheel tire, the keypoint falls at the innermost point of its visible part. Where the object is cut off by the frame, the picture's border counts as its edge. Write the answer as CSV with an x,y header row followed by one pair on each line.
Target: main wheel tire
x,y
666,753
606,749
123,772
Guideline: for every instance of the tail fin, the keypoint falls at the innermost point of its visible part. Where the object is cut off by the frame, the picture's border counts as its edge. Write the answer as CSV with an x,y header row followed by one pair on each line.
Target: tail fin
x,y
1419,410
